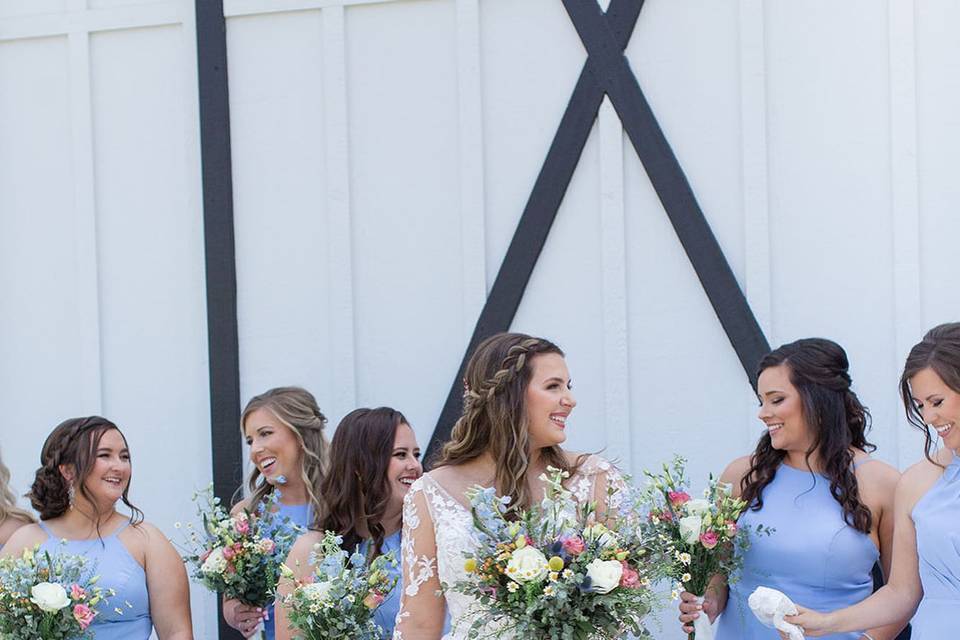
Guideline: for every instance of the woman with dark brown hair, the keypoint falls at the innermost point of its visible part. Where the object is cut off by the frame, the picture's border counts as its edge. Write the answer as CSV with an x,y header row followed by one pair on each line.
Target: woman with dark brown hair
x,y
926,545
284,429
374,458
84,472
517,398
812,480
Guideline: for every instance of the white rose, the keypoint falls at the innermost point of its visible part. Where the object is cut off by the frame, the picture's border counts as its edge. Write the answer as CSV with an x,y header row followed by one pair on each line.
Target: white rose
x,y
527,564
604,575
317,591
215,563
697,507
690,528
49,596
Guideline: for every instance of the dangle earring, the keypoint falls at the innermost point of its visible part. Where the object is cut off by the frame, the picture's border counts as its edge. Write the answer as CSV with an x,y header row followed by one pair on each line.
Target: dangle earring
x,y
71,495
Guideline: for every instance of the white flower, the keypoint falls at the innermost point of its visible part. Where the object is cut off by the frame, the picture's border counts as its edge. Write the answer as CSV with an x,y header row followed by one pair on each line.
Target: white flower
x,y
697,507
317,591
215,563
527,564
690,528
604,575
49,596
601,534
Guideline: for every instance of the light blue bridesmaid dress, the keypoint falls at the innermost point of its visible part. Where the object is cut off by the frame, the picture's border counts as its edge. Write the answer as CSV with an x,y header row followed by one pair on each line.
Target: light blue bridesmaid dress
x,y
127,614
300,515
814,556
937,520
386,613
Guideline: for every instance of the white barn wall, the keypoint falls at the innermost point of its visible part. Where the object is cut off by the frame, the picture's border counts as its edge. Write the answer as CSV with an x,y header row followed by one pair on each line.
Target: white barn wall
x,y
382,155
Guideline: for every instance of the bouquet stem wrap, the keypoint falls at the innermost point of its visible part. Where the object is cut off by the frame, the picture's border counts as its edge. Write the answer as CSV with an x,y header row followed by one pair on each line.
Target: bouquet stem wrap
x,y
702,627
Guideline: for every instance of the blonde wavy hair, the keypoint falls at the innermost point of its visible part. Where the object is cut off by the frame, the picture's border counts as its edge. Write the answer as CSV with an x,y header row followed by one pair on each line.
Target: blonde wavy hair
x,y
494,416
8,501
297,409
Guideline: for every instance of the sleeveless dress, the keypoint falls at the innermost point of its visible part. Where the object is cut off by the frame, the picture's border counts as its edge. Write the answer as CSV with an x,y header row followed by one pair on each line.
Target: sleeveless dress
x,y
386,613
127,614
454,532
814,556
300,515
937,520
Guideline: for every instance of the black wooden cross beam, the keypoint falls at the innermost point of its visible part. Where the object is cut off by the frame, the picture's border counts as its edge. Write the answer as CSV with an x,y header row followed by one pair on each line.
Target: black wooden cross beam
x,y
607,72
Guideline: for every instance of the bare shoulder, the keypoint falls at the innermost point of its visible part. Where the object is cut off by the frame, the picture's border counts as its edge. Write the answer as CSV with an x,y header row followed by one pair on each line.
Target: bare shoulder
x,y
916,481
23,537
299,555
9,526
735,472
240,506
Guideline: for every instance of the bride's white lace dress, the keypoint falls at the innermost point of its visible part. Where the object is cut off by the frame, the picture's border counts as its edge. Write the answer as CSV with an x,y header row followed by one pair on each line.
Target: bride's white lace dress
x,y
435,538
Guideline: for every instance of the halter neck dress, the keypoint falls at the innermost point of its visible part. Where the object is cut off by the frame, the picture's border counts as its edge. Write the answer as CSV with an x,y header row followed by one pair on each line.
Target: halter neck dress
x,y
300,515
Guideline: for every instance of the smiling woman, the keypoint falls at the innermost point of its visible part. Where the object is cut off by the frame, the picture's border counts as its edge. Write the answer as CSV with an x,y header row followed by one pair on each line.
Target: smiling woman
x,y
85,470
284,429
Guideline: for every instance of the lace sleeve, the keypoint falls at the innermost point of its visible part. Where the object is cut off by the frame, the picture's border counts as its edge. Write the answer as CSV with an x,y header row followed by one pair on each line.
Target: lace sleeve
x,y
421,605
600,481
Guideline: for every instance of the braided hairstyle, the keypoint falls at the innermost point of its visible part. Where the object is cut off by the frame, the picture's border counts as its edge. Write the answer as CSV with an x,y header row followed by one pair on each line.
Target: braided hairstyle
x,y
940,351
72,443
839,422
494,416
297,409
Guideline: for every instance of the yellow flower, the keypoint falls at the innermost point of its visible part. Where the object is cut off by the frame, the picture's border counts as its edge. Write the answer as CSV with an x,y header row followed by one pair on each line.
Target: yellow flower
x,y
622,555
470,565
555,563
521,541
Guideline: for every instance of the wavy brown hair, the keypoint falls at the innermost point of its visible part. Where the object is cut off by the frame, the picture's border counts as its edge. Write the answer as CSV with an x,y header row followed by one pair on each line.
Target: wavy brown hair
x,y
8,500
940,351
494,416
296,409
357,489
74,443
819,370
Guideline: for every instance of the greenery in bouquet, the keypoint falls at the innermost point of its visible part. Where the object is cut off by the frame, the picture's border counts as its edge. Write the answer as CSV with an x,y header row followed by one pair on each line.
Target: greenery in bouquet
x,y
239,555
700,537
47,596
339,598
559,570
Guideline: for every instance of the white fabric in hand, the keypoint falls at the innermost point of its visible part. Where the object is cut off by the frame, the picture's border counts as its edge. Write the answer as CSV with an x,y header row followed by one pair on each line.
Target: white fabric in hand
x,y
702,627
769,606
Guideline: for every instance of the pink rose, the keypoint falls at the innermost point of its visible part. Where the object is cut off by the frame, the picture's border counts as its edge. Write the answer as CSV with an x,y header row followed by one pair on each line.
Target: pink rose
x,y
242,525
228,553
77,592
629,578
709,539
267,546
678,498
574,545
84,615
373,600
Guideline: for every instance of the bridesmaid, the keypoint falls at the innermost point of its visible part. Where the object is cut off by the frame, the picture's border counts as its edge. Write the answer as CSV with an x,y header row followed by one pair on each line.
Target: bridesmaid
x,y
812,480
374,460
85,470
926,551
11,517
284,429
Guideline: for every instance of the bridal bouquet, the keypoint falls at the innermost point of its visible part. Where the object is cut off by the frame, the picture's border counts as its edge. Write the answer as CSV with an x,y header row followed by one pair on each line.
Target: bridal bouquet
x,y
558,571
340,598
44,597
699,536
239,555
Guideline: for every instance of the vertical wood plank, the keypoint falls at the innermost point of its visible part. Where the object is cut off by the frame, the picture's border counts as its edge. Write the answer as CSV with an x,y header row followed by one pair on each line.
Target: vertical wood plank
x,y
616,353
905,198
472,216
84,198
340,246
753,128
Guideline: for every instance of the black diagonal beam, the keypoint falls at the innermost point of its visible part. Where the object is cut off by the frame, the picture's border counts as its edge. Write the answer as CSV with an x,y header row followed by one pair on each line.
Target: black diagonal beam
x,y
607,71
538,216
671,184
219,254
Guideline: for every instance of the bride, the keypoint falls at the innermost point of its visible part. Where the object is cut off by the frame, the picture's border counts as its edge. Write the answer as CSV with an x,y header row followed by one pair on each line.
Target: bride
x,y
517,398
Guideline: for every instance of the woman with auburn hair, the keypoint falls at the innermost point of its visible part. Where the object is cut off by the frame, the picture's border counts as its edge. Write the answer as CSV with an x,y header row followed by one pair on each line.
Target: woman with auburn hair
x,y
926,545
812,480
517,399
84,472
374,460
284,429
11,517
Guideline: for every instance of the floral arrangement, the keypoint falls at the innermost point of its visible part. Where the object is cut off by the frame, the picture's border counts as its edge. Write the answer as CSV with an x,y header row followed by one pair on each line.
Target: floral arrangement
x,y
48,597
342,594
239,555
558,570
699,537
